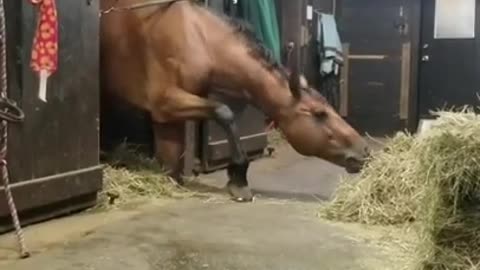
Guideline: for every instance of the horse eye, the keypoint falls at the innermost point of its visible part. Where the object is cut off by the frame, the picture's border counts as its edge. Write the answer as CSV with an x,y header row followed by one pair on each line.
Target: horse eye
x,y
321,115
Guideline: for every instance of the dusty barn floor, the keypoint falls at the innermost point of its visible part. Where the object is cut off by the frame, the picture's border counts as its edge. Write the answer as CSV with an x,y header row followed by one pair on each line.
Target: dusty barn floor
x,y
278,231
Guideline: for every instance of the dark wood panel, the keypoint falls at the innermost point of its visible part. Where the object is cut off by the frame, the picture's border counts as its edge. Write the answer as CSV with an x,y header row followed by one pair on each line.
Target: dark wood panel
x,y
374,87
54,155
20,164
389,48
41,120
290,20
90,81
360,15
60,135
44,191
414,31
54,210
380,125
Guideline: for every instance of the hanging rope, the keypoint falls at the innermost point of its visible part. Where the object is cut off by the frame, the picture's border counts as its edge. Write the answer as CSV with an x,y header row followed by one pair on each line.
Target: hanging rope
x,y
11,113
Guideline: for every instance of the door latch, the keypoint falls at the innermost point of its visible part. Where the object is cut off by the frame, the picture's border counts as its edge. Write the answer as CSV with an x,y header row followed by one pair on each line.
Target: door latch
x,y
401,22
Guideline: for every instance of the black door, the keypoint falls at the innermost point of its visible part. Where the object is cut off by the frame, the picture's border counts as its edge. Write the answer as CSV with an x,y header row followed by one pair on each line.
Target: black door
x,y
53,155
449,53
377,39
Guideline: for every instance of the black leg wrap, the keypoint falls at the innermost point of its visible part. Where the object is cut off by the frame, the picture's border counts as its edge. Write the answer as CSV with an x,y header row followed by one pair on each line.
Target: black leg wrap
x,y
238,184
237,171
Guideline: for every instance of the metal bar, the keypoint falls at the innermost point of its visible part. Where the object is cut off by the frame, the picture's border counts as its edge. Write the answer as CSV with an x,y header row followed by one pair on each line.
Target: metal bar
x,y
52,191
190,146
405,81
241,138
56,176
344,81
367,56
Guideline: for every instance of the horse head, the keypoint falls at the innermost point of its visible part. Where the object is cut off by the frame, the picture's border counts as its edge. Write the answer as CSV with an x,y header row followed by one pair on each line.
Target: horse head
x,y
314,128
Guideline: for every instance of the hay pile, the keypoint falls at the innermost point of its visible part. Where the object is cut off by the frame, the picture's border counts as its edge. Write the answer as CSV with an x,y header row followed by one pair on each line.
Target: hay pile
x,y
432,179
383,193
130,176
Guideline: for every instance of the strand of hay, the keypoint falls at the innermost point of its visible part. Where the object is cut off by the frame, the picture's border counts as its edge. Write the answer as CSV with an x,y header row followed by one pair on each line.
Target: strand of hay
x,y
130,177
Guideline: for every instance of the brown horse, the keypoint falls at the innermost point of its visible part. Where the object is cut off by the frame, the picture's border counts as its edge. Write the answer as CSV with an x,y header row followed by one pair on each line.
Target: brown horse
x,y
165,58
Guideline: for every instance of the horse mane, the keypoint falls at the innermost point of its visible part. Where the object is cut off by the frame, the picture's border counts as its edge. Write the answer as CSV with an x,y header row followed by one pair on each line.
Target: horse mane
x,y
247,34
257,48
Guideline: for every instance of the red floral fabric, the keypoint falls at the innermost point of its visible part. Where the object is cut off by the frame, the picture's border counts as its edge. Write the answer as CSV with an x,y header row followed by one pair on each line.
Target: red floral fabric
x,y
45,44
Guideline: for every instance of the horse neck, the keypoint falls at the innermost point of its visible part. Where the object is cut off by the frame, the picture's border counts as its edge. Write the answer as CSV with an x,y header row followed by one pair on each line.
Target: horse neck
x,y
240,71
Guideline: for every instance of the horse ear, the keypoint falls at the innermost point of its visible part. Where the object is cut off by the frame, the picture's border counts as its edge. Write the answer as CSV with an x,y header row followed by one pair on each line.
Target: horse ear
x,y
295,84
303,82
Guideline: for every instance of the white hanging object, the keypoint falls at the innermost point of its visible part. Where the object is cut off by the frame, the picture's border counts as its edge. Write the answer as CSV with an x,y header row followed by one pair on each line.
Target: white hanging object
x,y
309,12
42,91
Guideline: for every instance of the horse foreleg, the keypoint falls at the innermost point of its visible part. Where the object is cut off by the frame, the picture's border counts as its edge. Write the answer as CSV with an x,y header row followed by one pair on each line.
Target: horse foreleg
x,y
169,148
181,105
238,168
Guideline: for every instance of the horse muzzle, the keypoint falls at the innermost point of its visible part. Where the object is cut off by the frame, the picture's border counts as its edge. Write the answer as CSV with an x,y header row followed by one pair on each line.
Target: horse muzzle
x,y
354,164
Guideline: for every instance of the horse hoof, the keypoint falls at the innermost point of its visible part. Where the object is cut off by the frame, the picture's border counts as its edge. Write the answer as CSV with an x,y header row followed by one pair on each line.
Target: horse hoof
x,y
240,194
177,182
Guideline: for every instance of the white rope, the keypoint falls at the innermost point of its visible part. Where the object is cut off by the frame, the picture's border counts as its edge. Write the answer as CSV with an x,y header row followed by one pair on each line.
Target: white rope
x,y
3,139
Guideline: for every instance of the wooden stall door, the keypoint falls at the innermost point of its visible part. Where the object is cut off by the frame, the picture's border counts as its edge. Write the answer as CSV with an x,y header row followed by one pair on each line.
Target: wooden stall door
x,y
449,55
377,37
54,154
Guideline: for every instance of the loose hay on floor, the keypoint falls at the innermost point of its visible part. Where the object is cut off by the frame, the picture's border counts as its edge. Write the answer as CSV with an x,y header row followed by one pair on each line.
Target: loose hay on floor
x,y
130,176
432,179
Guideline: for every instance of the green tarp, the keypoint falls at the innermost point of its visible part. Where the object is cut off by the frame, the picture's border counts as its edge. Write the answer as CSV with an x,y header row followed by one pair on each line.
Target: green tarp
x,y
262,15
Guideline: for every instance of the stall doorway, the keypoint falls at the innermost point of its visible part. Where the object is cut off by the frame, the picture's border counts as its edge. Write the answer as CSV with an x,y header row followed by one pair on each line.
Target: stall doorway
x,y
376,77
448,55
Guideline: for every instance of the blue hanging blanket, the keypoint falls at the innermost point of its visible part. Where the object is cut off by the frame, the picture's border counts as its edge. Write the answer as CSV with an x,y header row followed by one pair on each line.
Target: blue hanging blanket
x,y
330,46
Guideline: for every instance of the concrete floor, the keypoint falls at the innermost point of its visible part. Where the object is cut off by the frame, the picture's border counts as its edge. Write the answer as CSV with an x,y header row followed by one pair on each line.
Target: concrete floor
x,y
211,233
287,175
218,235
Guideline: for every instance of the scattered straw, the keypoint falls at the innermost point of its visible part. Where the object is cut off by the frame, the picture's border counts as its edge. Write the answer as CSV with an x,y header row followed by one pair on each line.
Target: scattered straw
x,y
130,176
432,179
